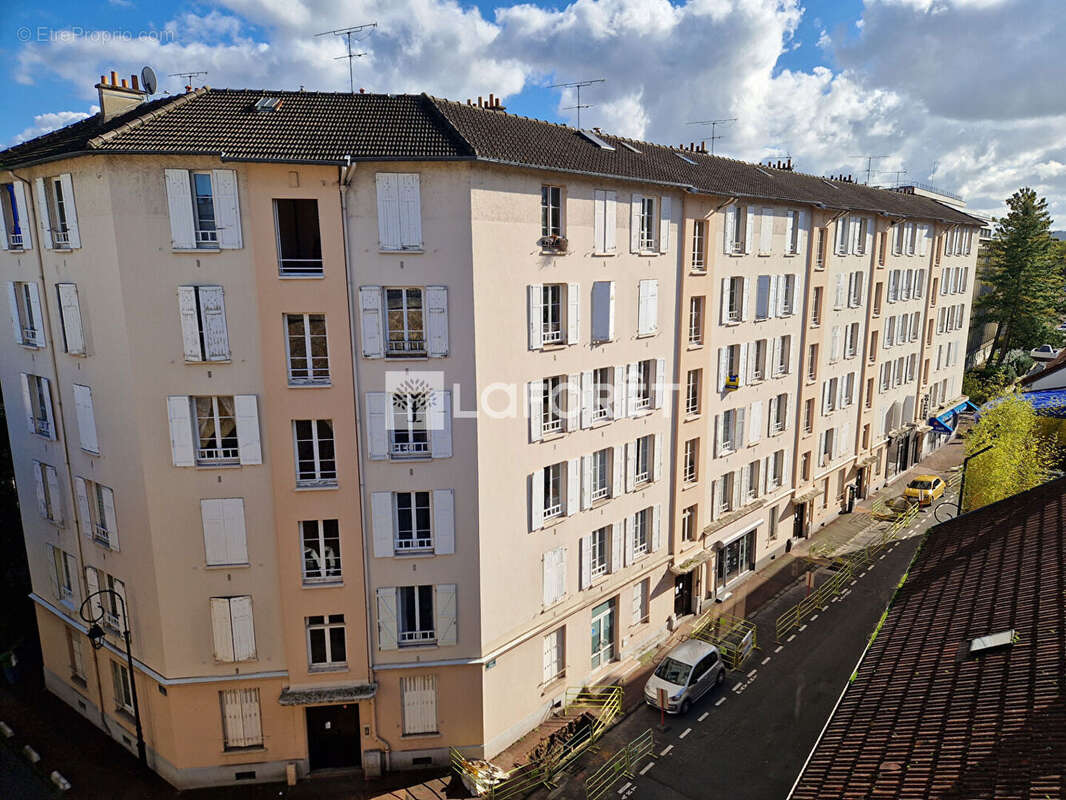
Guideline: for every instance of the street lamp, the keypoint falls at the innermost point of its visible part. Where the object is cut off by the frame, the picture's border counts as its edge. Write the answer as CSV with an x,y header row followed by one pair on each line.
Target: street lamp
x,y
96,638
962,483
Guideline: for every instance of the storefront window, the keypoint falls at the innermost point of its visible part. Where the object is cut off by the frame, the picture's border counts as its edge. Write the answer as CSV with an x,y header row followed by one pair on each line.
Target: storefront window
x,y
736,558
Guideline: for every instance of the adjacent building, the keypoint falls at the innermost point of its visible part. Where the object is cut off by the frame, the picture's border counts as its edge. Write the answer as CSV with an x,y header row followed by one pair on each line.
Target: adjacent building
x,y
391,427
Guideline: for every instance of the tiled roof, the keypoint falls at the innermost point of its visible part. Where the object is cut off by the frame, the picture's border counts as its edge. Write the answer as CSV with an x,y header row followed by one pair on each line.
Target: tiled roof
x,y
925,719
327,127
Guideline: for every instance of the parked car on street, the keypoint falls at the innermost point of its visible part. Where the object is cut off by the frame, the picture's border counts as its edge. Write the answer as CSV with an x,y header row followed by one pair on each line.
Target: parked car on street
x,y
1045,352
925,489
687,673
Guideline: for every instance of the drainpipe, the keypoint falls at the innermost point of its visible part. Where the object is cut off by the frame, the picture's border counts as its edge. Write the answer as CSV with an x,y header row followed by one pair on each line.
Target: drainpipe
x,y
345,176
57,401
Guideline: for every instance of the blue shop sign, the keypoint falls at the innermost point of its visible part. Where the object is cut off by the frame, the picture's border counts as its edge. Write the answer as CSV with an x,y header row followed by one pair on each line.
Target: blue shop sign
x,y
946,422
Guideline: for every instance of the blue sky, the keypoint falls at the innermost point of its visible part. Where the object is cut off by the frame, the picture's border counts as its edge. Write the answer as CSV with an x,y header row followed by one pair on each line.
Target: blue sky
x,y
960,93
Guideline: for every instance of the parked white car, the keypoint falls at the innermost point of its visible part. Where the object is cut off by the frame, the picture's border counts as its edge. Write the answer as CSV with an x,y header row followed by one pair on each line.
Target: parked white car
x,y
687,673
1044,353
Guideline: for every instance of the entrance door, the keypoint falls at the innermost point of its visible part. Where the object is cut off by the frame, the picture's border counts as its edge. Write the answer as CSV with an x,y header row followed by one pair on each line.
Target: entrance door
x,y
683,594
602,634
799,521
333,736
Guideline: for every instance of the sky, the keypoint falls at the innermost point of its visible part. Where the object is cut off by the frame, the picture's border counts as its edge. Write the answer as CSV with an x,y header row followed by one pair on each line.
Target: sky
x,y
964,95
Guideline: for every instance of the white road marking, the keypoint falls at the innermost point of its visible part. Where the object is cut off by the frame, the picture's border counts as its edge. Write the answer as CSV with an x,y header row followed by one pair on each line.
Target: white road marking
x,y
814,617
790,638
779,648
684,733
802,628
854,582
766,661
703,716
647,766
739,687
752,673
666,750
720,701
624,787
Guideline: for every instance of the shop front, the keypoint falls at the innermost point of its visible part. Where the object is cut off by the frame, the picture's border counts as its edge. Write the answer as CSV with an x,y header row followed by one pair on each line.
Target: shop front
x,y
736,558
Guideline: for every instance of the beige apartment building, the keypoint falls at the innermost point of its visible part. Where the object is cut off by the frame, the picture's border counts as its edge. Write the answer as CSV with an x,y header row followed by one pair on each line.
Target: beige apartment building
x,y
391,431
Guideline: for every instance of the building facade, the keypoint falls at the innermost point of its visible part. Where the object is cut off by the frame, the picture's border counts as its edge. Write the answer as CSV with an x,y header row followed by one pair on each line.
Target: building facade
x,y
403,435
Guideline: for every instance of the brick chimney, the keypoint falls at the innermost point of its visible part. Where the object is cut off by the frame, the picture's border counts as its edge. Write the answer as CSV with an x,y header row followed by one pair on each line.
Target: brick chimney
x,y
118,98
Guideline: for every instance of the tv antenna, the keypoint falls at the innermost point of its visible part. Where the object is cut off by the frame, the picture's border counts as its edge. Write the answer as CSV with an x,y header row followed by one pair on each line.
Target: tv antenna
x,y
714,123
577,85
188,76
870,165
897,173
347,33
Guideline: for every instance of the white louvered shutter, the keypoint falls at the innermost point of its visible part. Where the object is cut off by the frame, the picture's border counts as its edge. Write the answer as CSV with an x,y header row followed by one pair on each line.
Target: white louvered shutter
x,y
81,499
16,322
653,306
388,197
213,315
92,586
755,423
573,313
659,385
729,226
445,612
370,318
386,618
749,228
22,209
586,481
618,461
377,437
664,223
437,320
611,224
179,201
227,209
656,528
585,566
573,486
44,217
38,481
248,443
107,512
631,466
52,480
70,208
179,412
536,410
536,314
243,628
632,380
222,628
70,314
83,406
381,522
190,323
536,500
723,367
410,211
618,407
589,390
635,208
439,420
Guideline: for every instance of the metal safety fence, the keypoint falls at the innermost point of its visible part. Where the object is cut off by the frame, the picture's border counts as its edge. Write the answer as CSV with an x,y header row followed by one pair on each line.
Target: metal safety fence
x,y
622,764
602,703
734,637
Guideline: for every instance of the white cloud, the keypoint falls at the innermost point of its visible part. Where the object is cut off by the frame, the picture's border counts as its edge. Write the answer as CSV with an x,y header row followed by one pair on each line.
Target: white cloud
x,y
45,123
964,93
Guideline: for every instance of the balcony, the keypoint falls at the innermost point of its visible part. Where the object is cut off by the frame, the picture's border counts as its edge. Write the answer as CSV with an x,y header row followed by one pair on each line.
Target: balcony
x,y
61,237
552,334
42,427
553,510
552,425
417,448
600,492
101,535
600,412
207,238
29,335
14,241
217,455
641,403
412,544
398,348
408,638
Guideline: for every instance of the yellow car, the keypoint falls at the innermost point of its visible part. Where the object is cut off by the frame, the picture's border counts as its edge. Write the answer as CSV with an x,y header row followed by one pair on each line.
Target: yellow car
x,y
925,489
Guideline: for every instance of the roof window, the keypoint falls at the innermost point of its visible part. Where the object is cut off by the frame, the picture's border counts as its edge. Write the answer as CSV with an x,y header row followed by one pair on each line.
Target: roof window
x,y
993,641
267,103
596,140
684,158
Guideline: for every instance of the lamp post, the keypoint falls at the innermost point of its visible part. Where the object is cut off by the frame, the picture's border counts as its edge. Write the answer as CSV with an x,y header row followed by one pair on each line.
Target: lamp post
x,y
97,637
962,483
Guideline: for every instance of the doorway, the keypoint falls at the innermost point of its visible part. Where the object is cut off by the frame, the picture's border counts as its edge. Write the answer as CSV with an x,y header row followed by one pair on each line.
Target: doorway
x,y
602,634
683,594
333,736
799,521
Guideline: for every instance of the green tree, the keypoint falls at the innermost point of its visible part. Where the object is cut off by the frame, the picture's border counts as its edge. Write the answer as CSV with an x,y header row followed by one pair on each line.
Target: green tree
x,y
1025,278
1022,455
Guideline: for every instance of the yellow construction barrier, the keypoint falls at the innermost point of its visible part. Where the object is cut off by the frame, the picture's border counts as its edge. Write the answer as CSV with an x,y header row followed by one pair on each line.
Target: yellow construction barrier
x,y
733,636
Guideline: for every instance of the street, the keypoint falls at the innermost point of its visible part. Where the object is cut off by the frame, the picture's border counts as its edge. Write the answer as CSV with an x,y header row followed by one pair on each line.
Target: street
x,y
750,738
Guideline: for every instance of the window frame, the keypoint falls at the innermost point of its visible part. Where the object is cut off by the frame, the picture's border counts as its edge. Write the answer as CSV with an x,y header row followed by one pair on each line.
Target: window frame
x,y
416,427
312,379
319,478
420,635
413,543
326,627
409,345
320,537
206,239
551,200
297,272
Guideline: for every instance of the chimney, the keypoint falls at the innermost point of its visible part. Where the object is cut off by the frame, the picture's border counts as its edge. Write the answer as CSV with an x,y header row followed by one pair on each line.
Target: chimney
x,y
118,98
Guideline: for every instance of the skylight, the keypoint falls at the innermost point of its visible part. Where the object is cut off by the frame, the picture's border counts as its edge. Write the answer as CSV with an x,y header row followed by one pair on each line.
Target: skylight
x,y
596,140
992,641
628,146
831,185
267,103
764,172
684,158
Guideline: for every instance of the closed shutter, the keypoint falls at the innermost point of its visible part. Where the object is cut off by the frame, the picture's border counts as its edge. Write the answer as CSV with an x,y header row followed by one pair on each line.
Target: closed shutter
x,y
586,481
44,217
227,209
573,313
665,215
179,412
573,486
755,422
213,314
618,469
599,222
658,387
248,444
370,321
766,231
179,201
70,315
656,529
71,210
536,500
386,618
789,227
603,311
749,228
729,227
657,457
232,718
16,322
410,212
445,609
34,300
437,320
92,586
585,566
81,498
188,312
83,406
22,208
388,195
440,422
222,628
122,605
109,518
213,518
443,522
589,392
642,307
653,306
38,481
419,704
635,207
611,224
377,442
382,524
536,316
243,628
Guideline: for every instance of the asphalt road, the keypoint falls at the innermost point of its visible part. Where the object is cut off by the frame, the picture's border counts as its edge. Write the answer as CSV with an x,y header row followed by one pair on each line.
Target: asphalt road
x,y
749,739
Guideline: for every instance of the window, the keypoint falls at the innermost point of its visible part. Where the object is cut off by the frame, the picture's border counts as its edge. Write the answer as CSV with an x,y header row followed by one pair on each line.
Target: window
x,y
225,541
860,240
234,631
551,211
734,299
414,530
751,481
554,655
808,415
298,239
695,321
805,464
26,314
553,394
779,420
849,389
203,323
692,391
216,425
699,245
37,401
727,433
688,524
642,532
812,362
601,473
851,340
855,280
641,591
786,295
912,365
890,332
59,210
691,462
843,226
725,493
878,290
873,345
771,524
96,507
600,552
316,462
204,210
603,393
821,246
325,642
241,722
784,355
553,490
827,447
736,229
911,232
13,217
649,220
120,685
321,543
642,458
415,615
77,659
829,395
399,211
757,359
792,246
642,396
409,436
552,314
419,694
65,568
49,500
886,376
308,356
648,308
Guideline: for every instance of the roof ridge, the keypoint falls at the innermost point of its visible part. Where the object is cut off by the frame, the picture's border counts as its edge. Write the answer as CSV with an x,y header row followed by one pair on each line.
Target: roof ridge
x,y
136,122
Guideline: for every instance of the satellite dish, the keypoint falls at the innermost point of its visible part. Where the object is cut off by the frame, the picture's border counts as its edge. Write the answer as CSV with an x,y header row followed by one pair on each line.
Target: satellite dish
x,y
148,80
